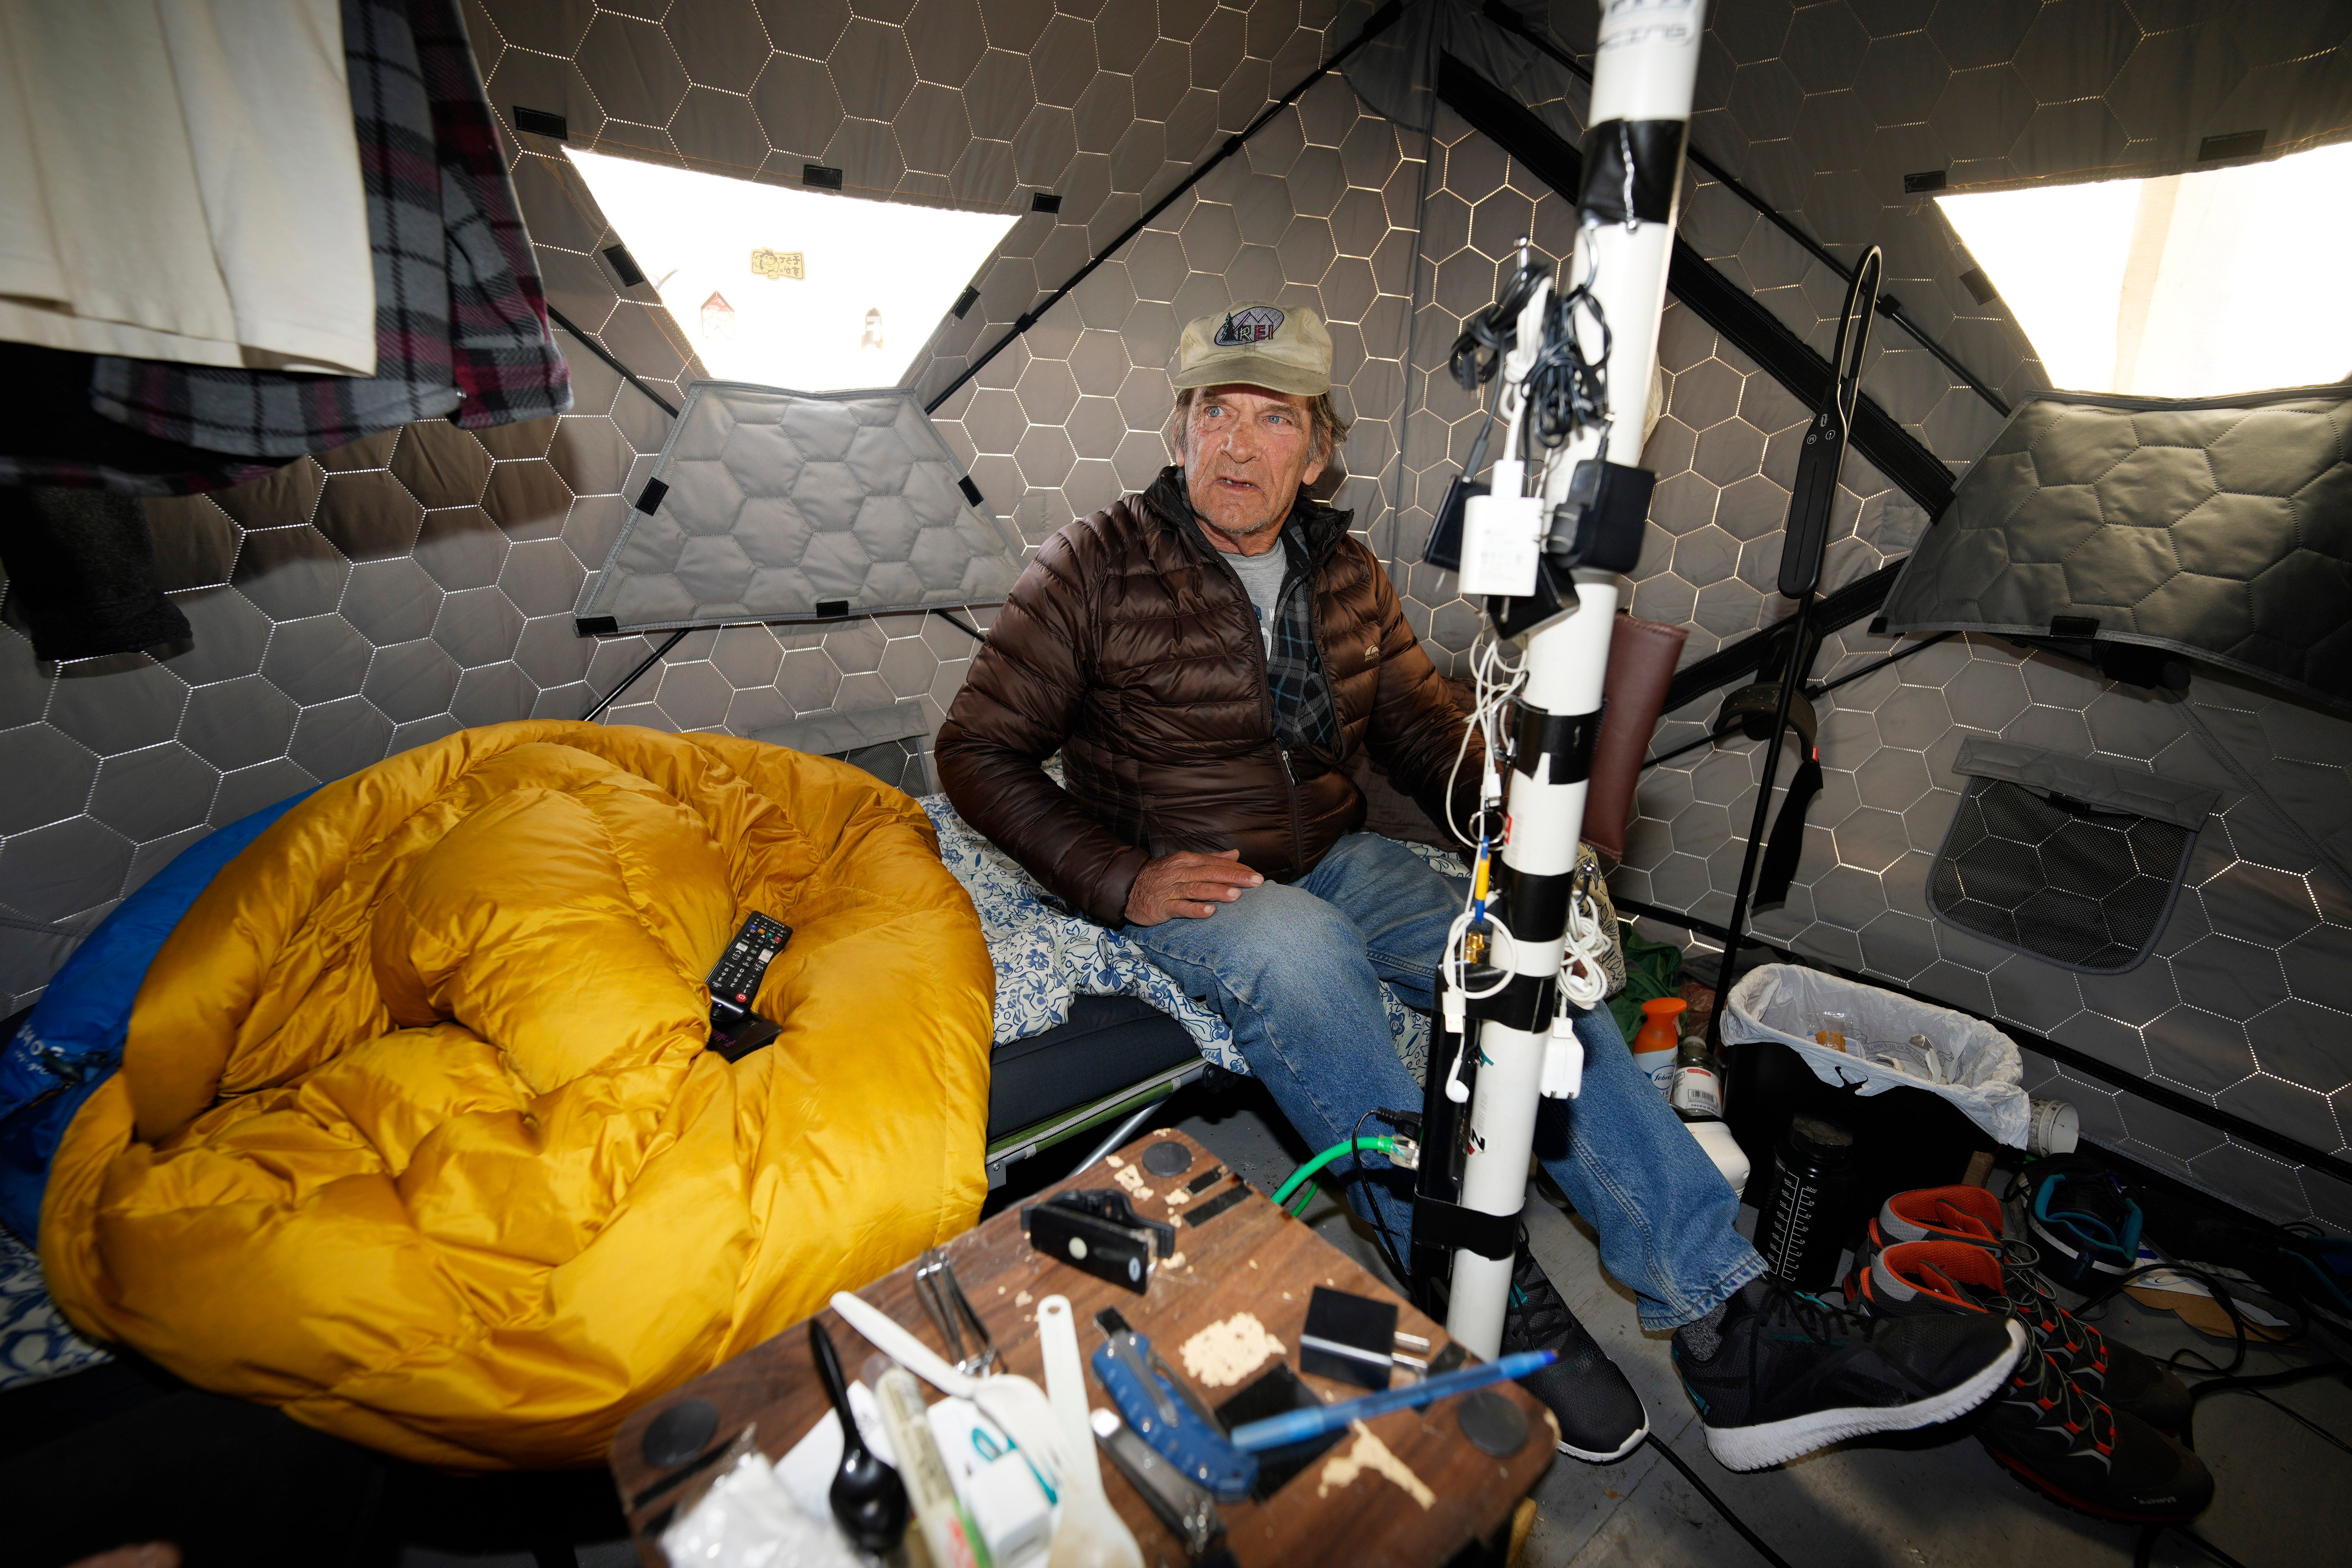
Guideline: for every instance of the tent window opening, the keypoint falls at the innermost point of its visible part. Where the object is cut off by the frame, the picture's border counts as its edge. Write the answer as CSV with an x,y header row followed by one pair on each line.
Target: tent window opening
x,y
2187,286
789,288
2066,859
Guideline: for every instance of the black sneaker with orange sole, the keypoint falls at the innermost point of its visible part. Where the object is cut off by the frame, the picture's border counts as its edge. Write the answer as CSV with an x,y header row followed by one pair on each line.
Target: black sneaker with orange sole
x,y
2043,1427
2105,1369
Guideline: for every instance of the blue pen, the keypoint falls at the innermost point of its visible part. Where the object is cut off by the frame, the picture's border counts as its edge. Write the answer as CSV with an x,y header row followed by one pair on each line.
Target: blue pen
x,y
1297,1425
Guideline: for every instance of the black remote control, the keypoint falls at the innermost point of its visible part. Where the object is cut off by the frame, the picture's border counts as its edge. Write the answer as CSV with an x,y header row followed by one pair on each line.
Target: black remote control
x,y
735,978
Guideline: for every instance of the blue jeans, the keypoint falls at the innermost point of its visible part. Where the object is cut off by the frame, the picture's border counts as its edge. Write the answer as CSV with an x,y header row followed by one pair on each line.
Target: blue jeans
x,y
1296,971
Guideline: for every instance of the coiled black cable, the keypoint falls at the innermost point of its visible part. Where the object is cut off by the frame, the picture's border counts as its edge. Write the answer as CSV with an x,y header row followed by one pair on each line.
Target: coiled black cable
x,y
1568,390
1489,334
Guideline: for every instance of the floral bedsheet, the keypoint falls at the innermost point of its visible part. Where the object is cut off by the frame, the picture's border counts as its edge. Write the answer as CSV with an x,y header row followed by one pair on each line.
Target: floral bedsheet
x,y
1045,953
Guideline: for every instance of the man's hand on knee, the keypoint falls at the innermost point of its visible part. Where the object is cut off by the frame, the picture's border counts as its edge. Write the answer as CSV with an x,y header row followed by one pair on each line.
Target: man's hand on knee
x,y
1189,884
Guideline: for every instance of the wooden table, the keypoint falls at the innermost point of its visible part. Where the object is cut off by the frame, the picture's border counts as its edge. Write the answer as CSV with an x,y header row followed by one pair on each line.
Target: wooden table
x,y
1253,1258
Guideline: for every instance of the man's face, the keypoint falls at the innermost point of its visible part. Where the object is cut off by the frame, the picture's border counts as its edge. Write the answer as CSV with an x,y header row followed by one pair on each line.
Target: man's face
x,y
1247,452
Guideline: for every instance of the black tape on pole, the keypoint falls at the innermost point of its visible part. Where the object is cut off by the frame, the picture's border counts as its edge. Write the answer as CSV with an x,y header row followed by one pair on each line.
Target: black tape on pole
x,y
1537,905
1655,149
1438,1223
1556,748
1525,1003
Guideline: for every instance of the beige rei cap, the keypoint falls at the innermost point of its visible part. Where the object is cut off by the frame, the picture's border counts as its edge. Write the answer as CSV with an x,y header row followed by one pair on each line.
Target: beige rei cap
x,y
1283,347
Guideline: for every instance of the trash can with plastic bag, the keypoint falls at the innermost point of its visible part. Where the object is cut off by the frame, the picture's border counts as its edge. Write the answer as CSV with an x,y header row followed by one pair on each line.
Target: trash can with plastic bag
x,y
1921,1088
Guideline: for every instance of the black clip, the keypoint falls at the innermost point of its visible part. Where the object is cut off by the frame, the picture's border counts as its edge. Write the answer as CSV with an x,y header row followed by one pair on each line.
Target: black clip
x,y
1098,1232
1599,523
1109,1203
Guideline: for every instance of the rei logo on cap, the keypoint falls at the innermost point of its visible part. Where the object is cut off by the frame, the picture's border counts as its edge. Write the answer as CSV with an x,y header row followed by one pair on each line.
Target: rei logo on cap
x,y
1254,325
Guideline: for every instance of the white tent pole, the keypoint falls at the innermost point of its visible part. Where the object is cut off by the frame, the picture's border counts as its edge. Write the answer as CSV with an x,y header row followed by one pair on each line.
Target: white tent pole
x,y
1645,63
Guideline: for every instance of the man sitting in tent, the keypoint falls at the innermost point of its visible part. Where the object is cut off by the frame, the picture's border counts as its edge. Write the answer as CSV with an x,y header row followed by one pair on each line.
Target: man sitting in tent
x,y
1207,657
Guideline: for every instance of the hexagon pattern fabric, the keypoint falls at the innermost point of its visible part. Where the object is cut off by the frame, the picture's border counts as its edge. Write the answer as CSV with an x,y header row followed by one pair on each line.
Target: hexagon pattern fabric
x,y
776,503
378,598
2217,528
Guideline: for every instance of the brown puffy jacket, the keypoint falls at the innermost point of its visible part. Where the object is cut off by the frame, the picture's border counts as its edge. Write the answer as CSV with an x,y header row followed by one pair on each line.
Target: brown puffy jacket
x,y
1130,646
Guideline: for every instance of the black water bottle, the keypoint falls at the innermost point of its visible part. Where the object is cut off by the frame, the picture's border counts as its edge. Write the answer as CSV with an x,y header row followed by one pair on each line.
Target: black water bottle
x,y
1804,1221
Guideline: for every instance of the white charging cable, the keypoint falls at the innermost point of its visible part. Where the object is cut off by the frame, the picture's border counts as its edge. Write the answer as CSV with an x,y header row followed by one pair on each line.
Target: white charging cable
x,y
1494,682
1583,966
1458,994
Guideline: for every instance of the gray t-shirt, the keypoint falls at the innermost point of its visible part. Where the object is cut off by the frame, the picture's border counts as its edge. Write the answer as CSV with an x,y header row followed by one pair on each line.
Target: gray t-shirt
x,y
1262,575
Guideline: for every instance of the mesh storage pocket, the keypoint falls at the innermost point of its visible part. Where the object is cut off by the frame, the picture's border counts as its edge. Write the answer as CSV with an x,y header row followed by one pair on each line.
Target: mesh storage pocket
x,y
2065,860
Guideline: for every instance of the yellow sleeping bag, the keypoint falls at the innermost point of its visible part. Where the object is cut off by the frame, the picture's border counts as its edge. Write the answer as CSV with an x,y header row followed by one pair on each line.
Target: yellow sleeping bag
x,y
416,1134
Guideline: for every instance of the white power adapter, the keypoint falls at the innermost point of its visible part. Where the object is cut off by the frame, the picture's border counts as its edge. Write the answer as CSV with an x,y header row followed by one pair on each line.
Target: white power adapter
x,y
1562,1077
1501,536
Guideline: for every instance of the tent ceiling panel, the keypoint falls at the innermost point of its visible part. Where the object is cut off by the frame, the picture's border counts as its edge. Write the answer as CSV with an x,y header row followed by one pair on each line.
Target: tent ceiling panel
x,y
2211,528
769,505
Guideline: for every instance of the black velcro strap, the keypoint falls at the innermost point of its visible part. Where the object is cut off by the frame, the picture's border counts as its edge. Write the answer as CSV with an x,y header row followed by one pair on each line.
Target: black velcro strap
x,y
1436,1223
1750,709
1788,842
650,499
1657,150
1524,1003
1556,748
971,491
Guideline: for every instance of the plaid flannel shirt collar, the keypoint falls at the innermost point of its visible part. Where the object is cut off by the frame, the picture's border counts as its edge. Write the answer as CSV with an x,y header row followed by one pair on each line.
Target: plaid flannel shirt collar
x,y
1304,714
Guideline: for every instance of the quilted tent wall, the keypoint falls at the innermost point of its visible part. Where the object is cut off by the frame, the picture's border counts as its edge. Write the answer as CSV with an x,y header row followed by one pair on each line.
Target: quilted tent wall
x,y
380,595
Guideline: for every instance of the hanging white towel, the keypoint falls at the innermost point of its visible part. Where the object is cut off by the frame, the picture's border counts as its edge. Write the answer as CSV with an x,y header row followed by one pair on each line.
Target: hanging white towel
x,y
179,180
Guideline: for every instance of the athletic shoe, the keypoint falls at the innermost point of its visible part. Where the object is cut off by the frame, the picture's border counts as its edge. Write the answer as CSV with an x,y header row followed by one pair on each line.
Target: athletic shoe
x,y
2102,1368
2043,1427
1600,1417
1790,1374
2085,1227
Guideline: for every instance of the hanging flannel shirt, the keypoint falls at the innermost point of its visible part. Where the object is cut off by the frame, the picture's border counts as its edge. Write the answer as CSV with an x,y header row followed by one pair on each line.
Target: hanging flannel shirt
x,y
461,324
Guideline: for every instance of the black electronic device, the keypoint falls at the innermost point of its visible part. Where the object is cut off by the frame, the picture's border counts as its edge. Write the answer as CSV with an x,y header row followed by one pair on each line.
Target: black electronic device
x,y
740,1036
1599,523
735,979
735,1030
1350,1339
1098,1232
